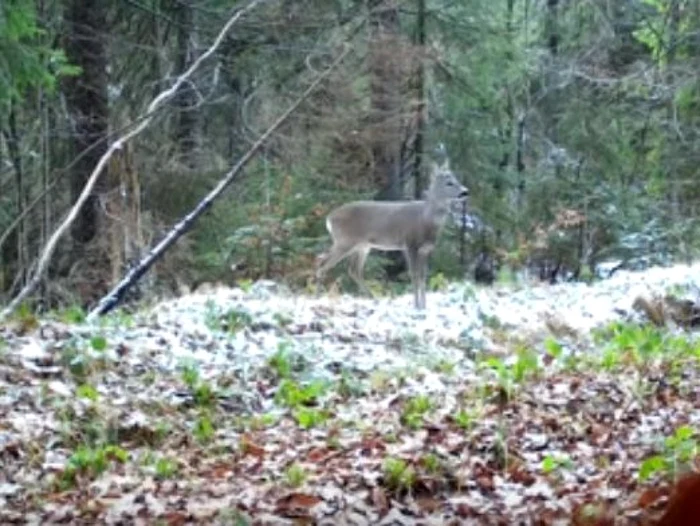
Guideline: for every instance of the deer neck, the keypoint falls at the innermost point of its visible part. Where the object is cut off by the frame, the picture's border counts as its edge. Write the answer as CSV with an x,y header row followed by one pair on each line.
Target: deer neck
x,y
436,209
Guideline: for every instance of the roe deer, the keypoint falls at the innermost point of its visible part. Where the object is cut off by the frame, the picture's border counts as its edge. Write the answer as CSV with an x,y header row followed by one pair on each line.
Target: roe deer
x,y
410,226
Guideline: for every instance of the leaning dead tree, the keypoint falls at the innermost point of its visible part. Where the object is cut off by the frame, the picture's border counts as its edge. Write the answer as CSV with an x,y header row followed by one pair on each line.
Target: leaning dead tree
x,y
140,125
112,299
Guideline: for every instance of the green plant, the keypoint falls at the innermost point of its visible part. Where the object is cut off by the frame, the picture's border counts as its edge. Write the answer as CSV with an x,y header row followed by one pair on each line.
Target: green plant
x,y
333,442
245,284
438,282
203,429
380,381
119,318
166,468
552,463
432,464
398,475
445,367
504,374
263,421
468,293
295,475
307,418
553,348
490,321
88,392
348,386
677,453
280,362
202,392
414,411
212,315
98,343
25,317
190,375
233,517
78,363
631,343
465,419
282,319
292,394
73,314
235,320
91,462
526,364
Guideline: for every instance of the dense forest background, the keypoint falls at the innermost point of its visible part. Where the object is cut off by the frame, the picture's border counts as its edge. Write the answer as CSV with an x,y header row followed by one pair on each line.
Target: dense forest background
x,y
575,124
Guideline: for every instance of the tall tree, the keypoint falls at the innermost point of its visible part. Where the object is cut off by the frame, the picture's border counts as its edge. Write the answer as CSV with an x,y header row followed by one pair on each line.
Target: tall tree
x,y
420,102
186,128
385,96
86,96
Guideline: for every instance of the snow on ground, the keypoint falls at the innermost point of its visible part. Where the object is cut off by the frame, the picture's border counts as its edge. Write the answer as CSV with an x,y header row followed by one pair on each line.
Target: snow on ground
x,y
363,333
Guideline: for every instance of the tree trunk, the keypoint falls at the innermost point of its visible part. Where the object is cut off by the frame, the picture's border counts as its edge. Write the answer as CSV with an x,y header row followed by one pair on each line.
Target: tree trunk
x,y
86,97
385,81
14,148
385,71
420,103
186,136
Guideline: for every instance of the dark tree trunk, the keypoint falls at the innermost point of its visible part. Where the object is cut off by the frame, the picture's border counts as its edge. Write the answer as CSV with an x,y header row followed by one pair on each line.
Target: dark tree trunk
x,y
186,127
421,107
552,26
86,96
385,81
13,254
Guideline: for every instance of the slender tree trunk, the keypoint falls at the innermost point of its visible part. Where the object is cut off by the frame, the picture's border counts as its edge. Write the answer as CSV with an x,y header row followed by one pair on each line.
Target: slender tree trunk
x,y
672,165
14,145
14,254
385,58
186,128
86,97
385,70
420,102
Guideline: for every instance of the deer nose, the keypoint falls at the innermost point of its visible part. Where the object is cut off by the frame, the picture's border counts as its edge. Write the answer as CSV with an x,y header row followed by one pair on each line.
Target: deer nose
x,y
464,192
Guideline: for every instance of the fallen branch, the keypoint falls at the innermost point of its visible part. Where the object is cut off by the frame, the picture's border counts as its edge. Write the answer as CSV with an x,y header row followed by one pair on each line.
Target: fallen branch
x,y
117,145
113,298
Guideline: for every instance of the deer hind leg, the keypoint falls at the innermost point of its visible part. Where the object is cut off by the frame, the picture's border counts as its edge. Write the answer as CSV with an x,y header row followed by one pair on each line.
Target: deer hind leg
x,y
422,273
356,267
336,254
411,254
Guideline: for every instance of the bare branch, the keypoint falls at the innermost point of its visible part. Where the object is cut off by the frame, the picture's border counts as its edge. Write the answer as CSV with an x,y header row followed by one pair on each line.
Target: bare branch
x,y
115,146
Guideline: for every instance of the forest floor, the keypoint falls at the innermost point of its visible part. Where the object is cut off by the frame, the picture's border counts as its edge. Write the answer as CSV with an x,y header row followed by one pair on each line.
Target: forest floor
x,y
527,404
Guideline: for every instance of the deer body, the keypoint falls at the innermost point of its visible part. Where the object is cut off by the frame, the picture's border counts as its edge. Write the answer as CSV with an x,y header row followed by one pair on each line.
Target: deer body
x,y
410,226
